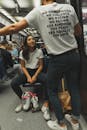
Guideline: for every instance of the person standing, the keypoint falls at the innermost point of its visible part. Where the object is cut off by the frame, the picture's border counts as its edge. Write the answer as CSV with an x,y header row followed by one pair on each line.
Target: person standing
x,y
58,24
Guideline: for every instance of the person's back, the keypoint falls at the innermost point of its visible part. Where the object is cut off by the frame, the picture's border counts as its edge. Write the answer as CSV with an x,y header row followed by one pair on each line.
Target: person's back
x,y
7,59
6,55
58,24
59,20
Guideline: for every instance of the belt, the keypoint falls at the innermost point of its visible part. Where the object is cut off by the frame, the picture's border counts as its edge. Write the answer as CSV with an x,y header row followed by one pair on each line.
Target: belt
x,y
67,52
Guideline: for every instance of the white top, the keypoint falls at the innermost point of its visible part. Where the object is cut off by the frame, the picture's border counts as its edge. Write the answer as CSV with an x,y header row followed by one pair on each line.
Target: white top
x,y
55,23
34,57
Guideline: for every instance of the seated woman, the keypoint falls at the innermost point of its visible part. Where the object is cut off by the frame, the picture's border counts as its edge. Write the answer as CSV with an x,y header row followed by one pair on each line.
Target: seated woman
x,y
31,60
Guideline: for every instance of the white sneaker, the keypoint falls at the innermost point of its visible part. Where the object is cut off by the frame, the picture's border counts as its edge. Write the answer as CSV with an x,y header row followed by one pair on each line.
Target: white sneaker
x,y
46,113
75,126
55,126
35,104
18,108
26,101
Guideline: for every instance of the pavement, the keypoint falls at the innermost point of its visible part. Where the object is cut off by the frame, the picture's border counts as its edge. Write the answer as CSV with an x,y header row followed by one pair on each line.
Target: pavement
x,y
9,120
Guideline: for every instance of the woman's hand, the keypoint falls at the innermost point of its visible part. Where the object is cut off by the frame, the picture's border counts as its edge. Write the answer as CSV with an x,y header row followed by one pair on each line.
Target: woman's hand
x,y
34,78
29,79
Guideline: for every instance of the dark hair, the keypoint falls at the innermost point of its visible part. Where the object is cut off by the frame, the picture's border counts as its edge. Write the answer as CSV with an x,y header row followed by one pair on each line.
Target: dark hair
x,y
26,50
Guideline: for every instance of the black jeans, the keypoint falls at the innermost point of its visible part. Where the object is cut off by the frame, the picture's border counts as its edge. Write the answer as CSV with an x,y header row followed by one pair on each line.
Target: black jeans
x,y
21,79
68,64
2,69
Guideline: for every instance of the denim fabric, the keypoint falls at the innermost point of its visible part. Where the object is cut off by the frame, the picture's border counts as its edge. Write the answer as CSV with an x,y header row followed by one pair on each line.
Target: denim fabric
x,y
21,79
68,64
2,69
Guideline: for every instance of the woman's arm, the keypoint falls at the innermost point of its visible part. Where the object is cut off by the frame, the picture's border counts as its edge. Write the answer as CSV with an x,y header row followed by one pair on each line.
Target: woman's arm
x,y
34,77
29,79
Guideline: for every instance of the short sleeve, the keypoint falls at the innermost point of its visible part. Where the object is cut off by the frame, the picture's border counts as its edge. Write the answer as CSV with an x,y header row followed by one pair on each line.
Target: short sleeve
x,y
21,56
41,54
75,17
31,17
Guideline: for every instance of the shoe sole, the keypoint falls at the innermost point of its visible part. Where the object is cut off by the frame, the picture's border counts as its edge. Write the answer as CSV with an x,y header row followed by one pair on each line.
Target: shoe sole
x,y
35,110
26,110
69,120
47,119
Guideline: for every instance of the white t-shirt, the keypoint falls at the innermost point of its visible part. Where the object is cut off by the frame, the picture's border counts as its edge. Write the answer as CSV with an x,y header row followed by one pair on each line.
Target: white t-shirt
x,y
34,57
55,23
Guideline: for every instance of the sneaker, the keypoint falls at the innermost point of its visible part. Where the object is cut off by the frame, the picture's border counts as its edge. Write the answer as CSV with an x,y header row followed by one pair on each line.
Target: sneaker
x,y
46,113
26,101
18,108
35,104
69,118
55,126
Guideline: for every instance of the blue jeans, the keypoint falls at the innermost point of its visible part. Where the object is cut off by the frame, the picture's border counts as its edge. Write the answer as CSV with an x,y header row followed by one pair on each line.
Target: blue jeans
x,y
68,64
21,79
